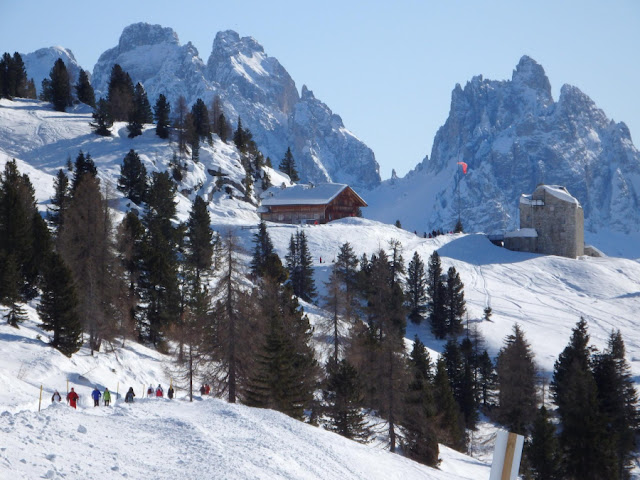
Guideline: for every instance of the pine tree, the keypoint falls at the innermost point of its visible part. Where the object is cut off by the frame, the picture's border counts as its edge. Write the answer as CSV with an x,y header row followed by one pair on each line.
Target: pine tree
x,y
133,178
486,379
120,94
454,302
200,115
140,112
468,395
60,200
58,308
416,290
436,291
288,166
17,218
285,374
575,393
343,396
179,124
516,375
130,248
224,130
11,282
102,119
199,240
159,275
84,90
83,165
20,76
449,424
542,451
420,441
265,261
162,112
618,402
58,88
31,90
346,268
299,265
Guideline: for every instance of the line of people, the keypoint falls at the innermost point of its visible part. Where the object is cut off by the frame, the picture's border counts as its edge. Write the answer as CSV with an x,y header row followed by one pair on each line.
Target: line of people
x,y
73,397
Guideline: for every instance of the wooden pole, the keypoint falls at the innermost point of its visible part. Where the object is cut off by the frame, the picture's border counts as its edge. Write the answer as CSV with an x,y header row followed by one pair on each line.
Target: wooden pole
x,y
40,401
67,386
508,456
117,390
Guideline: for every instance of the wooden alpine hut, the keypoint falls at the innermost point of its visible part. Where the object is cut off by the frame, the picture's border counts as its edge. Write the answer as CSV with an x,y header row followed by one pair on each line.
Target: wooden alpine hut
x,y
309,203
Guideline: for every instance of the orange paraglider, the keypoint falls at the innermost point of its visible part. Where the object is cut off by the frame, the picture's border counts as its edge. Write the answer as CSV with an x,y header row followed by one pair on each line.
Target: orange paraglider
x,y
464,167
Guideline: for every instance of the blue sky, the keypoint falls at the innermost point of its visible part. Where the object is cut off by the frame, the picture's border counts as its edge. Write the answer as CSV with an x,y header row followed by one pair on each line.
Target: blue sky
x,y
387,68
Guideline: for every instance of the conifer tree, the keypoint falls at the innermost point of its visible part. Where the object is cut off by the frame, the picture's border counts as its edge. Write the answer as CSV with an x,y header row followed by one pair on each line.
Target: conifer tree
x,y
159,275
265,261
288,166
18,213
133,178
19,76
162,113
436,292
618,402
84,90
449,423
343,395
199,239
224,130
516,375
575,393
60,200
299,264
486,379
130,248
420,441
140,112
179,124
416,290
285,374
13,76
468,395
200,115
11,282
454,302
346,268
58,88
102,119
31,90
83,165
542,451
58,307
120,94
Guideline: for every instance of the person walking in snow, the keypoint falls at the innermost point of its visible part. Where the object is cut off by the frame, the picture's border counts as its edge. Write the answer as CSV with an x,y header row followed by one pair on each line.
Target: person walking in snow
x,y
159,391
56,396
202,390
106,396
128,398
170,392
72,398
96,397
150,391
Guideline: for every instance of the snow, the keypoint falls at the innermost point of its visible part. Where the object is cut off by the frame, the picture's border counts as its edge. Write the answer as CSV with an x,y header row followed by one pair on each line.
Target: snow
x,y
320,194
560,193
546,295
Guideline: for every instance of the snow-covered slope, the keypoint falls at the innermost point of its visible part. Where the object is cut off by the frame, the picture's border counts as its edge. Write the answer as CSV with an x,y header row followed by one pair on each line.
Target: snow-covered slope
x,y
163,438
252,85
513,136
38,64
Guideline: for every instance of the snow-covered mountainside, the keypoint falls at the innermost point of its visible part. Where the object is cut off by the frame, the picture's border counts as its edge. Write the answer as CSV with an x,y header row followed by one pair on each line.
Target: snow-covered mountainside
x,y
546,295
513,136
251,85
39,63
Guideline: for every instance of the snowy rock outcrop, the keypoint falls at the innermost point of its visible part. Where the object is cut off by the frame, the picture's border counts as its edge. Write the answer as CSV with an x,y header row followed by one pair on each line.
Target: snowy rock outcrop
x,y
514,136
252,86
39,64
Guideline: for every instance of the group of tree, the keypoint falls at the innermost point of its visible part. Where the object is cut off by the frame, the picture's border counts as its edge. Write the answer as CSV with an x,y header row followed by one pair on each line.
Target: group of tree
x,y
13,78
436,296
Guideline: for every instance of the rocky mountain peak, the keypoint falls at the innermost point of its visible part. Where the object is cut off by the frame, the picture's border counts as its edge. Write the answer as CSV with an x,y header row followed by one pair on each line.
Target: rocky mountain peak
x,y
39,63
530,73
139,34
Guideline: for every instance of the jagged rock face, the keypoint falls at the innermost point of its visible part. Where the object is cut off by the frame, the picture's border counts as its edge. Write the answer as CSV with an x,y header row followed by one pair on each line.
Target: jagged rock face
x,y
252,86
39,64
513,136
153,56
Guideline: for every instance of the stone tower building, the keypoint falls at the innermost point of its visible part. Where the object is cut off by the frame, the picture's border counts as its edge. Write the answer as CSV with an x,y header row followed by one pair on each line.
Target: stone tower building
x,y
551,222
